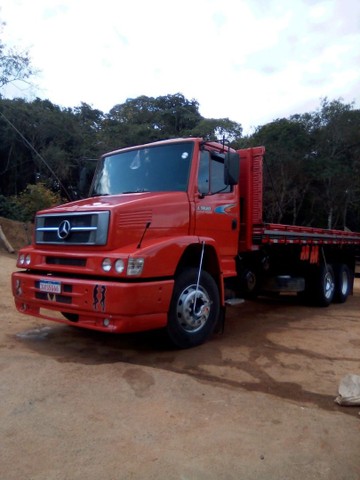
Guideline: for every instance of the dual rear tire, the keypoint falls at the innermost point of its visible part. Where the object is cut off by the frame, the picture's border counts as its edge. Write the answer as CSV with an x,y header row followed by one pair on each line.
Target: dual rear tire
x,y
329,283
343,282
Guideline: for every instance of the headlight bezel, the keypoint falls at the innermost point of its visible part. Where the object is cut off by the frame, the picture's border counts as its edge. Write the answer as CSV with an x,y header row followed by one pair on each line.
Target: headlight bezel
x,y
131,266
135,266
24,259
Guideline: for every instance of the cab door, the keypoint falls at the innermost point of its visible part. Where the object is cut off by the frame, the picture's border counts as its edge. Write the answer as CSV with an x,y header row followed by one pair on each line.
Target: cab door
x,y
216,205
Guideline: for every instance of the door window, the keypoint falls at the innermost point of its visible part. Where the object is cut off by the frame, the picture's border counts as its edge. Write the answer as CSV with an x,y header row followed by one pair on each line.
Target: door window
x,y
211,174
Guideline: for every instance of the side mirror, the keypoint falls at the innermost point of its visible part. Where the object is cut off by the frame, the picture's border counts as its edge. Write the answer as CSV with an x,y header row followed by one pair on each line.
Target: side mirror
x,y
231,168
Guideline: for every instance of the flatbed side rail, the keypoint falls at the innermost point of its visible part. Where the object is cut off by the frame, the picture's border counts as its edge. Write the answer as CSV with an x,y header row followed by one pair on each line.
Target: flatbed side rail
x,y
288,234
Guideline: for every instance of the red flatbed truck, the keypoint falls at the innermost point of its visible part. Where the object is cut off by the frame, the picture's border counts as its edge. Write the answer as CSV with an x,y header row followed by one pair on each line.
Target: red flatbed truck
x,y
171,233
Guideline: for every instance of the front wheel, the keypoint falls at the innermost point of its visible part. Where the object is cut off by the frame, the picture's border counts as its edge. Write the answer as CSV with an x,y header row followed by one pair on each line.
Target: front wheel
x,y
194,310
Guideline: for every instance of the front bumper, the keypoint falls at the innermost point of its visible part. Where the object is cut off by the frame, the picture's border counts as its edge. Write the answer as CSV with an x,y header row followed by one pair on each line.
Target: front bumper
x,y
109,306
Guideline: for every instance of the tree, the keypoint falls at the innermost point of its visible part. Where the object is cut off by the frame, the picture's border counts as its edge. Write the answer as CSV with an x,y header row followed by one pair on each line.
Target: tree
x,y
337,153
311,168
14,65
40,141
17,167
217,129
286,172
146,119
176,116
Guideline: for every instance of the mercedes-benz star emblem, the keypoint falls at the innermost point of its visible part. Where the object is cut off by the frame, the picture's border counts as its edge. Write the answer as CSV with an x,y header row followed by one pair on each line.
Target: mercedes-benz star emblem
x,y
64,229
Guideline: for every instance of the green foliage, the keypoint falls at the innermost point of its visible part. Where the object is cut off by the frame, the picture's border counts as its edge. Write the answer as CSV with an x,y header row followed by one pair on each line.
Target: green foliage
x,y
8,208
217,129
32,199
68,140
312,166
145,119
286,179
337,147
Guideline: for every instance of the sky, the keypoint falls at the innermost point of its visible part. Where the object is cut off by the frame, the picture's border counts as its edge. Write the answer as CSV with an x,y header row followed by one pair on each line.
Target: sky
x,y
251,61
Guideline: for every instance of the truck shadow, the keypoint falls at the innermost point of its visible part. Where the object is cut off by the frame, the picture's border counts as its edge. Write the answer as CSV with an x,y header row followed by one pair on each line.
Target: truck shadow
x,y
271,346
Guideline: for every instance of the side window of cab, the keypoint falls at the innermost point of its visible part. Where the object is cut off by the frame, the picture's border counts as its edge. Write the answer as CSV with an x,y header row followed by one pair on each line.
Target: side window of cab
x,y
211,174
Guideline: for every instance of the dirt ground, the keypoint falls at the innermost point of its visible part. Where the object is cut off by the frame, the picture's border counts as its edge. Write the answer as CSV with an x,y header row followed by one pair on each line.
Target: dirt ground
x,y
254,403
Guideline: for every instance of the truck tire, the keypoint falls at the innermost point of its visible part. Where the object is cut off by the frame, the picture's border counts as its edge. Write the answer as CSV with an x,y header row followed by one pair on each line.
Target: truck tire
x,y
249,287
323,286
343,282
190,324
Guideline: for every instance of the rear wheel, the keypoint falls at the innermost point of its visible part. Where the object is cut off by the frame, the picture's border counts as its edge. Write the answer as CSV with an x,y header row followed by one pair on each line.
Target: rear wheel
x,y
343,282
249,283
193,312
323,286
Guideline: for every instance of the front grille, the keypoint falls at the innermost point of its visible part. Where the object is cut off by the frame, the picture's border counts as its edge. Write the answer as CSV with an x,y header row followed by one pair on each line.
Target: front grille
x,y
73,228
76,262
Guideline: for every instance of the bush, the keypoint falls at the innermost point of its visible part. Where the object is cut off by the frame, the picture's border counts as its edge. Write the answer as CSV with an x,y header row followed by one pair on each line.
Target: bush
x,y
34,198
8,208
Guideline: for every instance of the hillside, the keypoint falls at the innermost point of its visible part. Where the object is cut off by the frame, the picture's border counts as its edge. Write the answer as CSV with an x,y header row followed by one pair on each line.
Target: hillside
x,y
18,234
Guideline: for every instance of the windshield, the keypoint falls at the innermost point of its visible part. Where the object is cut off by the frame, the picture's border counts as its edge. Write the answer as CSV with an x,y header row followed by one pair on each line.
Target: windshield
x,y
161,168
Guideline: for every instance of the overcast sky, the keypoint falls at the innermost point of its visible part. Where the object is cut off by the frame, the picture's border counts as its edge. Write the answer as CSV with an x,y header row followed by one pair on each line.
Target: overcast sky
x,y
249,60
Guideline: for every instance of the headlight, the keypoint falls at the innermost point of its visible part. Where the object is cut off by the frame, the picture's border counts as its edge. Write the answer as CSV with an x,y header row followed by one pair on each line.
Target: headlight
x,y
135,266
27,260
21,259
119,266
106,264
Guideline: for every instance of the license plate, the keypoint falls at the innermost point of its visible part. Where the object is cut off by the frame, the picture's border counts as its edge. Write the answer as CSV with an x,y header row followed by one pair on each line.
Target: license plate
x,y
50,286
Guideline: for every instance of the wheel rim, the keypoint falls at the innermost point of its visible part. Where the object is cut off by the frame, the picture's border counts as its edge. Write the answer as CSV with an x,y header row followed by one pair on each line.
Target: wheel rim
x,y
328,285
193,308
250,281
